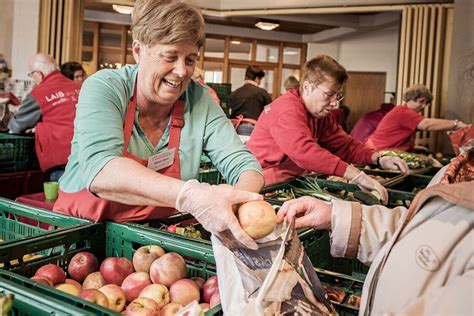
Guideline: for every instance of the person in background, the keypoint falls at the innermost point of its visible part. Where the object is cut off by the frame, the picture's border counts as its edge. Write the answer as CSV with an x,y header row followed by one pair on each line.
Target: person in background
x,y
341,113
423,255
249,100
140,132
74,71
50,110
291,83
397,129
367,124
198,75
296,133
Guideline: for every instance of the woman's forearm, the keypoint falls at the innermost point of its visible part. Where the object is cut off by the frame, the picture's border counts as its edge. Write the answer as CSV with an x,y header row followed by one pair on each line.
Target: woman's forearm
x,y
250,181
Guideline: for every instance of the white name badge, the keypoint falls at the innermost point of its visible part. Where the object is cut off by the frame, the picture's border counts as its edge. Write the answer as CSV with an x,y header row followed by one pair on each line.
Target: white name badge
x,y
161,160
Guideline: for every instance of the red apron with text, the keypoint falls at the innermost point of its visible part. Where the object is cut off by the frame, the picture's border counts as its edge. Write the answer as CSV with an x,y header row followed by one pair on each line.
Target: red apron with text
x,y
86,205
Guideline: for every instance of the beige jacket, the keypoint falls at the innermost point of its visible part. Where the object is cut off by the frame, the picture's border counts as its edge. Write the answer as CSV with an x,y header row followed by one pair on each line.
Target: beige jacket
x,y
422,259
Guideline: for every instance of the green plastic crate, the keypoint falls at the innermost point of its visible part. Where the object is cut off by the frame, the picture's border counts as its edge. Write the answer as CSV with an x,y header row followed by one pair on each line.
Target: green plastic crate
x,y
19,221
209,174
104,240
17,152
344,283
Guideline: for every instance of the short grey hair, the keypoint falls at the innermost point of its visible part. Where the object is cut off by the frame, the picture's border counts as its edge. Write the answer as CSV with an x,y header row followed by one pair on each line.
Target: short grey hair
x,y
418,91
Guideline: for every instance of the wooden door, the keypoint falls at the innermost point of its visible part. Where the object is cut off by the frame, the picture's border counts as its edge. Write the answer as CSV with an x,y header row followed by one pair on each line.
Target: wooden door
x,y
364,92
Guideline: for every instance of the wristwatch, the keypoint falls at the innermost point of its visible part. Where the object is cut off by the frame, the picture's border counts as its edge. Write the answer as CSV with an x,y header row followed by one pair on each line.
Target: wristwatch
x,y
456,122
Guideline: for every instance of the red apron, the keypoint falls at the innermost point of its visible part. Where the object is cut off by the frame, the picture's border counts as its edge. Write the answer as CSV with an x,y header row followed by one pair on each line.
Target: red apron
x,y
85,205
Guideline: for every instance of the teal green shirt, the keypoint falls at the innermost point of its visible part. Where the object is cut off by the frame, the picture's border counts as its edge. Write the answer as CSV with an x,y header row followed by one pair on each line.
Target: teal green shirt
x,y
98,132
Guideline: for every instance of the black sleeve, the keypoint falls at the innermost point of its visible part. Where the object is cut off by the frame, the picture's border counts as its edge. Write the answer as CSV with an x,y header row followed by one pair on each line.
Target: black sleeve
x,y
27,116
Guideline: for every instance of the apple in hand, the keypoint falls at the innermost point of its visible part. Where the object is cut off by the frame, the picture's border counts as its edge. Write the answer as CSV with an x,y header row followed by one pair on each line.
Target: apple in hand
x,y
68,288
144,257
210,287
134,284
52,272
170,309
184,291
168,269
81,265
115,296
95,280
95,296
115,270
43,280
143,306
157,292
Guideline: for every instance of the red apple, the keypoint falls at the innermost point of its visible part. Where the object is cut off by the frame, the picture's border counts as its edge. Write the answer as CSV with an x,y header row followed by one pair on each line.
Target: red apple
x,y
53,272
68,288
209,288
143,306
144,257
134,283
215,300
81,265
157,292
170,309
115,270
115,296
184,291
75,283
95,296
168,269
199,281
43,280
95,280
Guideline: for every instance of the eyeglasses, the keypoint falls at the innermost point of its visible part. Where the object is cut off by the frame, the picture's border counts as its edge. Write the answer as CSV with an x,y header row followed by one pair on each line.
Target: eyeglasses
x,y
30,74
332,96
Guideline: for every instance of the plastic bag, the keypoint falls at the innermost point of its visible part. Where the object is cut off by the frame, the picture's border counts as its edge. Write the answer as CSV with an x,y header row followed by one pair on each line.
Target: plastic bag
x,y
276,279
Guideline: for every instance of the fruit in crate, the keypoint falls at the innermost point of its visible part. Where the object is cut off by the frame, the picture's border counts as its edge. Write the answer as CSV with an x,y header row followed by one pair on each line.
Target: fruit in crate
x,y
95,296
68,288
257,218
95,280
115,296
215,300
43,280
81,265
142,306
187,231
157,292
52,272
6,303
205,307
75,283
170,309
210,287
184,291
115,270
168,269
144,257
199,281
134,283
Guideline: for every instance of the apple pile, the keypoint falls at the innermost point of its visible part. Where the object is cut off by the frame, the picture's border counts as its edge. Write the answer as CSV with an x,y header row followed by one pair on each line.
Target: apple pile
x,y
152,283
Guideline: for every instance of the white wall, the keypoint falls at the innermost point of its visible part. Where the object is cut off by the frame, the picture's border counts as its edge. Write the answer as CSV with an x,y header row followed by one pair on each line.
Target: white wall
x,y
24,42
6,27
375,51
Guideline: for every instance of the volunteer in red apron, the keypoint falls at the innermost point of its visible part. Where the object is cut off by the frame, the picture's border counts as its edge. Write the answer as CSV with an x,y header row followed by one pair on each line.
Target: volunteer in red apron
x,y
140,132
296,133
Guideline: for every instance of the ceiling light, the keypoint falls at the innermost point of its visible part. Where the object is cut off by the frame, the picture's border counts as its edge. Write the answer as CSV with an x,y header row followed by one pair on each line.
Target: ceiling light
x,y
235,42
124,9
267,25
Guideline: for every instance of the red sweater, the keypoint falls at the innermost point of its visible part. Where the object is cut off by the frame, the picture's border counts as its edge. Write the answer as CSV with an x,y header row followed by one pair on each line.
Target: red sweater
x,y
286,131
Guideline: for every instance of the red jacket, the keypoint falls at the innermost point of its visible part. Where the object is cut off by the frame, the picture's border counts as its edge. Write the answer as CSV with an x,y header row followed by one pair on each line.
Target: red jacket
x,y
57,98
289,139
369,122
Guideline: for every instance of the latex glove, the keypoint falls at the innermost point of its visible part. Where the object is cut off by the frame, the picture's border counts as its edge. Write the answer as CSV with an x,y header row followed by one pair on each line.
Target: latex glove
x,y
307,212
393,163
368,184
212,205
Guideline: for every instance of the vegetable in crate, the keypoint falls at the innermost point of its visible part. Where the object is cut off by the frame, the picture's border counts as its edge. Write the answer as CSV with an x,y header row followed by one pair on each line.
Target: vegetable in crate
x,y
6,303
414,161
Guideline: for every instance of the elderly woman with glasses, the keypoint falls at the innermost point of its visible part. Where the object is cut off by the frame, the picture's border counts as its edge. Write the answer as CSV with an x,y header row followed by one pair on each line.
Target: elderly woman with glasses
x,y
296,133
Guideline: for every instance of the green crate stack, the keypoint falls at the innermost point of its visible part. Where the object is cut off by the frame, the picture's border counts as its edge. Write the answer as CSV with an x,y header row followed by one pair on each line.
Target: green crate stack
x,y
19,221
17,153
209,174
223,91
104,240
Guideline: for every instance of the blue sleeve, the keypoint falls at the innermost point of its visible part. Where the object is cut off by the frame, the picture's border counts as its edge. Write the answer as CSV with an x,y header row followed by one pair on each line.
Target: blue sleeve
x,y
27,116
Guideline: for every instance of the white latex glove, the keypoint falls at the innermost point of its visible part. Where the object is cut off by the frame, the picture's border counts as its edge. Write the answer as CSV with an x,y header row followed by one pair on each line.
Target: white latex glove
x,y
307,211
212,205
368,184
393,163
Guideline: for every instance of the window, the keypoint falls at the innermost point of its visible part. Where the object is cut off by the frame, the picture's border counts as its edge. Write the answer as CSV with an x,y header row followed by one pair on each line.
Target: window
x,y
267,53
291,55
213,72
240,50
214,48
